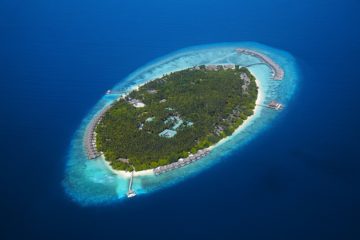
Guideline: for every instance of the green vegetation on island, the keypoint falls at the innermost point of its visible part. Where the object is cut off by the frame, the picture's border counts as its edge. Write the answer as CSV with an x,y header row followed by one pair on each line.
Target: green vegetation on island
x,y
175,115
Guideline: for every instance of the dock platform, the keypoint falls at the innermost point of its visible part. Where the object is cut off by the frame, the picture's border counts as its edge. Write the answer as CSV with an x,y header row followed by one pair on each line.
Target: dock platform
x,y
275,105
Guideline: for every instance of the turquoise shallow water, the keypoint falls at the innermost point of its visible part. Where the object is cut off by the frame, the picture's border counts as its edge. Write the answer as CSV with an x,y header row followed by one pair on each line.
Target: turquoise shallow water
x,y
297,178
91,182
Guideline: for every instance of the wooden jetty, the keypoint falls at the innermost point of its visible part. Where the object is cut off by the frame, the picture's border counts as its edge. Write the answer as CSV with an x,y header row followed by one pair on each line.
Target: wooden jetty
x,y
113,92
131,193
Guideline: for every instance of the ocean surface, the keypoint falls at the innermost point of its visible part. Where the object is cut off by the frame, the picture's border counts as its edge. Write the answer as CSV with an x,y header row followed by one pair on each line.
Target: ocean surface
x,y
297,178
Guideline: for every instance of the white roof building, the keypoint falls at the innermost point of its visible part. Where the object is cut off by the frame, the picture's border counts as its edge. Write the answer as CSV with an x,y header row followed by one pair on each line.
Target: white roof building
x,y
136,103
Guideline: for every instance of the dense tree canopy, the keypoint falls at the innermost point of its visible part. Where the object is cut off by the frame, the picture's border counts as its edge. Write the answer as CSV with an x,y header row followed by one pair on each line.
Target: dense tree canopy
x,y
211,104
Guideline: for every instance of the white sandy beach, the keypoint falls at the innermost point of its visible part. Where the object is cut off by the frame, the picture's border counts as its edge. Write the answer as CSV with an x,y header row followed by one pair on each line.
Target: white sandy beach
x,y
126,174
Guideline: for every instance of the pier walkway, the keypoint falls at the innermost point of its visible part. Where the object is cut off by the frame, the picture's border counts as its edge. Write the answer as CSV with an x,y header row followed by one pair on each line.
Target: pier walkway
x,y
278,72
255,64
131,193
113,92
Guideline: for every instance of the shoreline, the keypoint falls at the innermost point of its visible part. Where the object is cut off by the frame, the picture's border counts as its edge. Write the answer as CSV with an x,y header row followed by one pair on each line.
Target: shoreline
x,y
150,172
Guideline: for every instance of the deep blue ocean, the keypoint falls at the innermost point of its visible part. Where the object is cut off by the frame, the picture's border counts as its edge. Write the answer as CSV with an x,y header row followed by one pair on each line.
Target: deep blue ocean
x,y
299,179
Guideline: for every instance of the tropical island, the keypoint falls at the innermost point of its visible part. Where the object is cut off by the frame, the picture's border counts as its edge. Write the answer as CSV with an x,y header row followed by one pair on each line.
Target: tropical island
x,y
136,138
175,116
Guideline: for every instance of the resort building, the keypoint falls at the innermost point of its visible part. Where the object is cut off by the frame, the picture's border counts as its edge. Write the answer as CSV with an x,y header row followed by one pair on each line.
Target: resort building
x,y
136,103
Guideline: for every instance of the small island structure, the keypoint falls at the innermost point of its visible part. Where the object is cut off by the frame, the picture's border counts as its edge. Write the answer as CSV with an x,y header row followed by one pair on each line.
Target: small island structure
x,y
275,105
172,121
278,72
